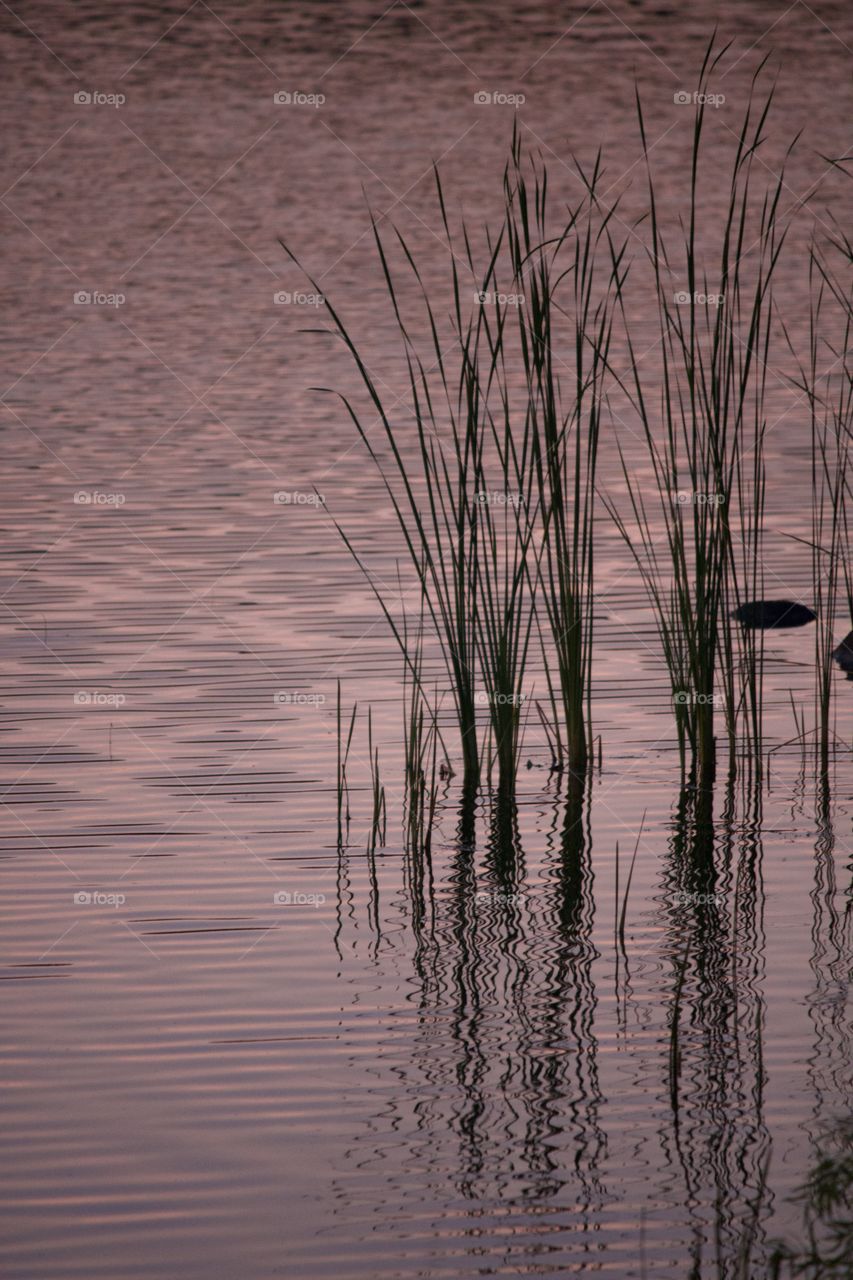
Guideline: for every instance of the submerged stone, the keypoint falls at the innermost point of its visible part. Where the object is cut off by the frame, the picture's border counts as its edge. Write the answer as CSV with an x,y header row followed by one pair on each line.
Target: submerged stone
x,y
843,653
762,614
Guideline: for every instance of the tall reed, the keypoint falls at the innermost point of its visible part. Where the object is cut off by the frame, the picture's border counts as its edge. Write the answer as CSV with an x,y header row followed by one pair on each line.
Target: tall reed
x,y
379,810
835,264
824,378
343,760
472,573
564,426
420,747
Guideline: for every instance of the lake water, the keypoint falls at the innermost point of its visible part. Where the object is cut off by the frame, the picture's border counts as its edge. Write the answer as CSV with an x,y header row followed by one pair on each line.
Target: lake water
x,y
231,1051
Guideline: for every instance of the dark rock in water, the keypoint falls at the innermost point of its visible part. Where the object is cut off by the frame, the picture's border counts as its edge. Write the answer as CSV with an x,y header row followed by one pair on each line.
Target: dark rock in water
x,y
843,654
762,614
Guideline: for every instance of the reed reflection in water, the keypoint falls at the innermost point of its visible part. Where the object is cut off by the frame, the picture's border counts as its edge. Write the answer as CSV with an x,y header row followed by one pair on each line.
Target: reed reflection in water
x,y
491,1139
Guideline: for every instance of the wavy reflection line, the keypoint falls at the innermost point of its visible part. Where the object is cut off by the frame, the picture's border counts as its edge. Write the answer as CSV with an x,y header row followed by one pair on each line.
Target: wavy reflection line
x,y
714,923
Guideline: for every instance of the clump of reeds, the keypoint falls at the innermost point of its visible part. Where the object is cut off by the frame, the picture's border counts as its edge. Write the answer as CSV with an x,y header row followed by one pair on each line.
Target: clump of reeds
x,y
705,440
505,396
495,509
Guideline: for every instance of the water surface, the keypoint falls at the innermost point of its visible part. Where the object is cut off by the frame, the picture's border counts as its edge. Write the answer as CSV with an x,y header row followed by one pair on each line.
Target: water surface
x,y
458,1077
